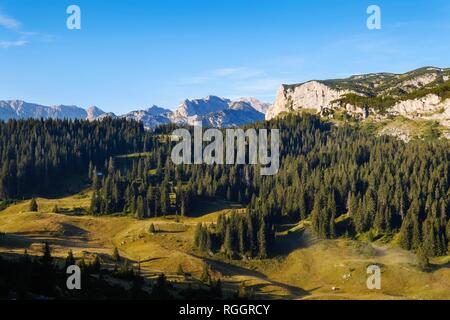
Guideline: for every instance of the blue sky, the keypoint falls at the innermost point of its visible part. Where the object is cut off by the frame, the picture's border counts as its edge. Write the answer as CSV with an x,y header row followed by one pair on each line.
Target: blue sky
x,y
133,54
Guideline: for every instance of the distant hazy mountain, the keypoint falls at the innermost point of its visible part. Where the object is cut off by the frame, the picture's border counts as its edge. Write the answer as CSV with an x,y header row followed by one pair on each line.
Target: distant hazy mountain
x,y
212,111
17,109
151,118
94,113
256,104
217,112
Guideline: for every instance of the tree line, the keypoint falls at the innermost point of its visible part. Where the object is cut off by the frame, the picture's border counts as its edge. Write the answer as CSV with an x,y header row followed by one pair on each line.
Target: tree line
x,y
369,184
36,154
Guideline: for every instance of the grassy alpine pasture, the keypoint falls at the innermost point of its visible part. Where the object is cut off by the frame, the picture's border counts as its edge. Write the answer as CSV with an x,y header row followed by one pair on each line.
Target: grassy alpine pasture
x,y
305,268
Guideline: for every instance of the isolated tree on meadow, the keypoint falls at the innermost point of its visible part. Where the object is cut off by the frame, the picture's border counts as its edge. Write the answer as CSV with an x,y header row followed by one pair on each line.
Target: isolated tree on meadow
x,y
70,260
116,256
33,205
47,259
96,264
206,277
180,270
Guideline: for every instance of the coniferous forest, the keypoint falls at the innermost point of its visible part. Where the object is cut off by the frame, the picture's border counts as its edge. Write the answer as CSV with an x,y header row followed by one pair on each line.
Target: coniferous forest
x,y
369,184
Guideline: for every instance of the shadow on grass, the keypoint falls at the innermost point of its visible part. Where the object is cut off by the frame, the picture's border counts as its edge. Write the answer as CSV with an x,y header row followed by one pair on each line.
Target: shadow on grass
x,y
229,270
210,205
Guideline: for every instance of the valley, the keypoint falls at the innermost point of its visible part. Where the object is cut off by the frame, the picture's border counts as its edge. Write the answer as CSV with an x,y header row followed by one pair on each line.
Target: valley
x,y
309,268
363,180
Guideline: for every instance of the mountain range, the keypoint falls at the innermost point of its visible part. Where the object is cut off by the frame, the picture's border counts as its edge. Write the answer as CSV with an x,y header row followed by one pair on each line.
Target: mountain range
x,y
211,111
422,94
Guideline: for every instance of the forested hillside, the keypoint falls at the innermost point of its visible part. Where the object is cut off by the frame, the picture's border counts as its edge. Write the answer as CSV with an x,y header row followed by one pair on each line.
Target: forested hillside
x,y
34,154
345,181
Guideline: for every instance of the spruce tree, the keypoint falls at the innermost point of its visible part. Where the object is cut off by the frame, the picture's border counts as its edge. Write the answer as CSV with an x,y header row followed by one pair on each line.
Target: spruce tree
x,y
47,259
262,245
116,256
140,209
180,270
205,277
70,260
228,241
33,205
55,209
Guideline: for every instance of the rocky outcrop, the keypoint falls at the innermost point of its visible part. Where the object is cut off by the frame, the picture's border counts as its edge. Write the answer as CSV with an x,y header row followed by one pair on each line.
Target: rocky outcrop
x,y
94,113
430,107
418,107
419,81
427,86
310,95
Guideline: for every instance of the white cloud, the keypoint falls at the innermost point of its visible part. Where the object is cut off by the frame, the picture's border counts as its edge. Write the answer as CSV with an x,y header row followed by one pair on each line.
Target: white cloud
x,y
236,73
262,85
24,36
226,71
9,23
231,73
9,44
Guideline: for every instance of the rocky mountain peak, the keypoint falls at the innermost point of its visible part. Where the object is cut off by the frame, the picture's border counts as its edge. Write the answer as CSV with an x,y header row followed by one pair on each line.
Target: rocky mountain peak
x,y
375,94
93,113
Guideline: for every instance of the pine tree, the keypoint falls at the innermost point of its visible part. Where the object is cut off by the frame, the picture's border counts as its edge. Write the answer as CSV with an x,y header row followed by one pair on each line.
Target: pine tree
x,y
165,198
221,227
423,261
198,235
228,241
116,256
96,265
90,171
70,260
96,183
331,215
302,206
180,270
262,245
208,243
82,264
205,277
150,201
33,205
216,289
140,209
94,208
47,259
250,235
405,235
241,237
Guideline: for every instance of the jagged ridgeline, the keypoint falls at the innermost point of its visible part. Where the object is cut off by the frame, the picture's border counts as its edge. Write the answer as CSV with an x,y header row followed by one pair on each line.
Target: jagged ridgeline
x,y
342,180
